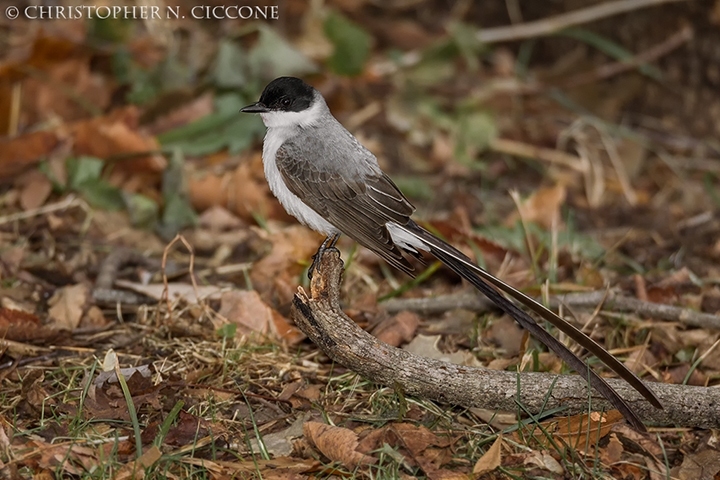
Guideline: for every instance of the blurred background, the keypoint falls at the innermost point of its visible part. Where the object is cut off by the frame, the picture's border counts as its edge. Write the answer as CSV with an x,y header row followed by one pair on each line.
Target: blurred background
x,y
570,144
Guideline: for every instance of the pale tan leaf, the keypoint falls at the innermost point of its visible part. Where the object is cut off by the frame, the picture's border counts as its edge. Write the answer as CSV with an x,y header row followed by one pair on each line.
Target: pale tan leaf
x,y
67,305
491,458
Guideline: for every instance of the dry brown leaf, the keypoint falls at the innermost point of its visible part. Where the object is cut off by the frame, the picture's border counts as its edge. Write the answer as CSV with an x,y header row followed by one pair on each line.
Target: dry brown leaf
x,y
545,461
246,309
285,330
276,275
676,376
639,359
585,430
507,334
444,474
68,458
642,441
612,453
417,438
136,470
20,153
45,93
310,392
427,346
337,443
67,306
117,135
197,108
579,431
35,188
19,326
704,465
491,459
657,469
398,329
243,191
54,76
542,207
219,219
188,428
93,318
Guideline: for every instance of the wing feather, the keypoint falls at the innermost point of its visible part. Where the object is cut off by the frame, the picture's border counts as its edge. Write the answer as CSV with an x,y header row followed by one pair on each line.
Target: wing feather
x,y
358,205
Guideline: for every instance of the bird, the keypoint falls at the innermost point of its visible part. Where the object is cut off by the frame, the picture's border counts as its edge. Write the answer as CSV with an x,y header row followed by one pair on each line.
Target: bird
x,y
325,178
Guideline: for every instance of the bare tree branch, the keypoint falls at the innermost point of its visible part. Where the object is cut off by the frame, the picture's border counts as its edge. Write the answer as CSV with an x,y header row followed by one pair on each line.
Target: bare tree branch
x,y
322,320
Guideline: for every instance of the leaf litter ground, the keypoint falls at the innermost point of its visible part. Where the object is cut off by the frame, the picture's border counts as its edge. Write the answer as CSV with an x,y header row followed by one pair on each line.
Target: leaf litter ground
x,y
221,382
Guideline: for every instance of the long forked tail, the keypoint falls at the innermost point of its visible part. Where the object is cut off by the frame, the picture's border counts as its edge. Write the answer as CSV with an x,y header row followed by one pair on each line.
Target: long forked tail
x,y
480,279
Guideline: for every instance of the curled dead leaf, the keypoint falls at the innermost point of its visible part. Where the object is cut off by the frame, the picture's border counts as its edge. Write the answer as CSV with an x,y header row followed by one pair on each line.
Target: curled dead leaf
x,y
337,443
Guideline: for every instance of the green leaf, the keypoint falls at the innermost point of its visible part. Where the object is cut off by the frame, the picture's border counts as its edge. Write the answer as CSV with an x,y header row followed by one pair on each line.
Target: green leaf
x,y
227,331
57,185
83,169
272,56
178,212
414,187
242,132
465,38
226,128
144,211
177,215
473,134
230,65
101,194
352,45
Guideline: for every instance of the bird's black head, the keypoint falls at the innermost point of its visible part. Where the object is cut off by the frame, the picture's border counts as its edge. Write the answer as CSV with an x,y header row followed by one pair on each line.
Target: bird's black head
x,y
284,94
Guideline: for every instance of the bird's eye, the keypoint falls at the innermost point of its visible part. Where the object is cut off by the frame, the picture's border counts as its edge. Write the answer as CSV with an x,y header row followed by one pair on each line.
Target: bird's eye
x,y
285,102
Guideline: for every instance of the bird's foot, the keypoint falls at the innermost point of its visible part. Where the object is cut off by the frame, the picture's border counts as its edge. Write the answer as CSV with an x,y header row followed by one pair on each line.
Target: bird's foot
x,y
327,244
317,258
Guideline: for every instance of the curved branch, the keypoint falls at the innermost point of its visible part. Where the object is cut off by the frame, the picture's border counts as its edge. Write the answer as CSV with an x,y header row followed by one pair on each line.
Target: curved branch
x,y
322,320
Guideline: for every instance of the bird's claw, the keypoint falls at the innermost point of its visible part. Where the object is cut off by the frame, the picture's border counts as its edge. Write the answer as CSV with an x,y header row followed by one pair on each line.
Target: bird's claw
x,y
317,258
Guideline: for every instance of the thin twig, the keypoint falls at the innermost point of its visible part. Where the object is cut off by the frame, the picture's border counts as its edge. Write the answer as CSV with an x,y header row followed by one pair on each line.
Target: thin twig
x,y
549,155
69,201
548,26
603,72
191,271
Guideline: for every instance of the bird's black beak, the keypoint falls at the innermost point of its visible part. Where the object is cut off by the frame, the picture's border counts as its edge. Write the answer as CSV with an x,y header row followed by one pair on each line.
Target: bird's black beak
x,y
255,108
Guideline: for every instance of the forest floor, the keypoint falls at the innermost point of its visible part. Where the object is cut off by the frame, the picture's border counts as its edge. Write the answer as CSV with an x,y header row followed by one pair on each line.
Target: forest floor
x,y
147,273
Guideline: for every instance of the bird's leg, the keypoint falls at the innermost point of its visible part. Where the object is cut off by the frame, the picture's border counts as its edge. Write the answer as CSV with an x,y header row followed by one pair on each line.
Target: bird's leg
x,y
327,244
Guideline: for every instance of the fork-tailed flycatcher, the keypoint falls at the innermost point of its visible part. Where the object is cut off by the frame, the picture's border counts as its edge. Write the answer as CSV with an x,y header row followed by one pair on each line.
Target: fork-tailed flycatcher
x,y
326,179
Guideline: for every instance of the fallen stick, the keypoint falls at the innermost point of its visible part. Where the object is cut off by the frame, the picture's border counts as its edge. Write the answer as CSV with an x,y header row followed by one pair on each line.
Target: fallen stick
x,y
320,317
609,301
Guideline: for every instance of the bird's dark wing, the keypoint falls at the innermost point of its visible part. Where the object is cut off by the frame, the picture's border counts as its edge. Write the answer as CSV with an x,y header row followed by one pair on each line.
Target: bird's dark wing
x,y
359,205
